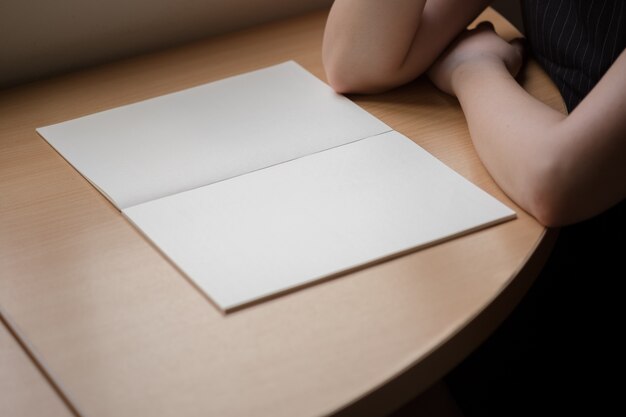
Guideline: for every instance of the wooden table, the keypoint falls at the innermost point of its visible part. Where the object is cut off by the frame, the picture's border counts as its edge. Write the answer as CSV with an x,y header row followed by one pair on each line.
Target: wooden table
x,y
107,327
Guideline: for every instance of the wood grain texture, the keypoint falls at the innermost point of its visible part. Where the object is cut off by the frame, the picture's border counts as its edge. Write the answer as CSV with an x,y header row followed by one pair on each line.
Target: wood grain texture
x,y
24,391
125,334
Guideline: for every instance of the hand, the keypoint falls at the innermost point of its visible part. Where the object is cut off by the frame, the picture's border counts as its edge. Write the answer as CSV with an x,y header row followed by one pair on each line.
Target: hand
x,y
480,46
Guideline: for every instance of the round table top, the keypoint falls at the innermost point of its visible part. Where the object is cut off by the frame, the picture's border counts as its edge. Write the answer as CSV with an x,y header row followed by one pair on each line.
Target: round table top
x,y
117,330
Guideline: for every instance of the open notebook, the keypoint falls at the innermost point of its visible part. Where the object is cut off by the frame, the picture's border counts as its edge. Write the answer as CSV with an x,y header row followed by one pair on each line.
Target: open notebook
x,y
266,181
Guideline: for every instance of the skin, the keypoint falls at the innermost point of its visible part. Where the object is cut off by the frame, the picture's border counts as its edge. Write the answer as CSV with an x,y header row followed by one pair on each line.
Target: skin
x,y
561,169
374,45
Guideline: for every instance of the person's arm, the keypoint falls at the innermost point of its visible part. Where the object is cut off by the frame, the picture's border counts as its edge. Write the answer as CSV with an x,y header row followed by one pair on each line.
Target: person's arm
x,y
374,45
561,169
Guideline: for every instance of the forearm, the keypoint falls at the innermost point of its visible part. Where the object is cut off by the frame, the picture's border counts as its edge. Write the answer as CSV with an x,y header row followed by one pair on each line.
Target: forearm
x,y
374,45
561,169
509,129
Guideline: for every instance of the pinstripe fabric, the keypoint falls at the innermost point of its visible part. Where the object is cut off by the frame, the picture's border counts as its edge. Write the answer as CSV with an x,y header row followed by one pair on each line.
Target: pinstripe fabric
x,y
554,355
576,41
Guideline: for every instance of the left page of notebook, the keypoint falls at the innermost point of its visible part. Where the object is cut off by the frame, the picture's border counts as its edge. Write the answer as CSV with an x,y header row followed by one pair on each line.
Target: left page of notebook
x,y
220,130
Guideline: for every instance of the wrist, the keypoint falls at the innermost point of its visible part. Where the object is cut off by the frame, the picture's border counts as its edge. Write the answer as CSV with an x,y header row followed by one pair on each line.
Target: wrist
x,y
473,71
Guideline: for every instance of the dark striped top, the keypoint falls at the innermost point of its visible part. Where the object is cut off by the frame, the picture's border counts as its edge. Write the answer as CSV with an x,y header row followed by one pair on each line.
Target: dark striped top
x,y
565,325
575,41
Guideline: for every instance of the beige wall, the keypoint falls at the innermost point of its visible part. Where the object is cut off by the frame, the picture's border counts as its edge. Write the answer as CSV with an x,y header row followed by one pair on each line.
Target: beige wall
x,y
41,37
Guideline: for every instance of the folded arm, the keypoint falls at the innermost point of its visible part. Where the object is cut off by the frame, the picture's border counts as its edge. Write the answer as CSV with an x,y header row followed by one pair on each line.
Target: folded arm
x,y
561,169
374,45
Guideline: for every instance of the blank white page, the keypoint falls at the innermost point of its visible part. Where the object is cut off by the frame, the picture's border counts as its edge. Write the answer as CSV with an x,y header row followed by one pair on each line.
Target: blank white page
x,y
180,141
276,229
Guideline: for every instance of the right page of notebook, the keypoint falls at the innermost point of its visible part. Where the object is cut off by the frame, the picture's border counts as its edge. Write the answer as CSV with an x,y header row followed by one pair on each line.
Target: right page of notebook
x,y
276,229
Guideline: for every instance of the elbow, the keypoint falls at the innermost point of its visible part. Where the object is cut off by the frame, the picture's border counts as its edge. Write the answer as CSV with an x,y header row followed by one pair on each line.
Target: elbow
x,y
548,210
340,79
347,79
347,76
342,83
547,196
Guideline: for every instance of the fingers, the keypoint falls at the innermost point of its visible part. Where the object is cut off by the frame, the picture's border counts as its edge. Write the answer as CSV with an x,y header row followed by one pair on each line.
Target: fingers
x,y
518,44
